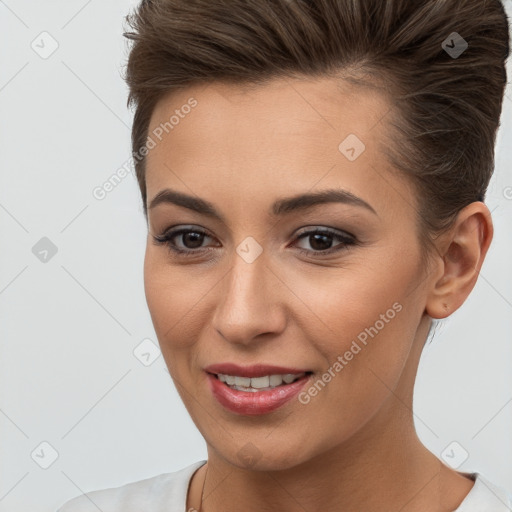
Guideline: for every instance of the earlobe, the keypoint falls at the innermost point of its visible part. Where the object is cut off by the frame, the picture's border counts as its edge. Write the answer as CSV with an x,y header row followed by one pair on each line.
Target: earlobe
x,y
462,251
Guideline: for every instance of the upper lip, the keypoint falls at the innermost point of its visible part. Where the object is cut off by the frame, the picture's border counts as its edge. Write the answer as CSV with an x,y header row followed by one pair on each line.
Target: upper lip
x,y
257,370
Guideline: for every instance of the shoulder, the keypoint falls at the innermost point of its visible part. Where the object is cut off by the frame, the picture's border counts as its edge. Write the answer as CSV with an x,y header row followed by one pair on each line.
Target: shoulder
x,y
486,497
158,493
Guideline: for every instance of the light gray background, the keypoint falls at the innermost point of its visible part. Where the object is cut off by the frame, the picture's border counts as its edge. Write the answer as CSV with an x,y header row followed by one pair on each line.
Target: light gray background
x,y
69,326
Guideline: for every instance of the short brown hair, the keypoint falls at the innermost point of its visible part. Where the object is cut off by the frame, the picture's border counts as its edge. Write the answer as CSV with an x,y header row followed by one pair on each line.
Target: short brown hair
x,y
446,107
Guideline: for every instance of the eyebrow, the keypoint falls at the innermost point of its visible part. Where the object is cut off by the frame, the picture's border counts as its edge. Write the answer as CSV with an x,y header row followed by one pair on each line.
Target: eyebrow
x,y
280,207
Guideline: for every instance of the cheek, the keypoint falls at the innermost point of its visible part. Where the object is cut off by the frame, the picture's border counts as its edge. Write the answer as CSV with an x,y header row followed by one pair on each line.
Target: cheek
x,y
365,350
176,297
365,314
344,302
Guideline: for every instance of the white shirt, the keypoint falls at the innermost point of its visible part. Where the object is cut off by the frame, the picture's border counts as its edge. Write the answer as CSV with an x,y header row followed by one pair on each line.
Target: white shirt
x,y
168,493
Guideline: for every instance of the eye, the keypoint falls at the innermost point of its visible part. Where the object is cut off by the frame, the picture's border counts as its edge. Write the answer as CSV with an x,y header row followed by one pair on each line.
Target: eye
x,y
191,240
321,241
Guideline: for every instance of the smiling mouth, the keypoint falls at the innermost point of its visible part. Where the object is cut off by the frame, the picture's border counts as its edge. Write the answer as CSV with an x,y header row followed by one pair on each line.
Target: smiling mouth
x,y
263,383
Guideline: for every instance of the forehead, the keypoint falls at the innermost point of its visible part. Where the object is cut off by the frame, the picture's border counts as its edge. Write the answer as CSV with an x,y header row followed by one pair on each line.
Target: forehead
x,y
308,105
286,136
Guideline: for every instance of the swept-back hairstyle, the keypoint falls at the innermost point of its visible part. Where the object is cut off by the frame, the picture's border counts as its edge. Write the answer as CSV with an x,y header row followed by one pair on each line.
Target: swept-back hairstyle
x,y
446,105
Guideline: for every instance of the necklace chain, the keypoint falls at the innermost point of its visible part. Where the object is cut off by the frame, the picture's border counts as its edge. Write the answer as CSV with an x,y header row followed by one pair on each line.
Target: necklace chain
x,y
202,491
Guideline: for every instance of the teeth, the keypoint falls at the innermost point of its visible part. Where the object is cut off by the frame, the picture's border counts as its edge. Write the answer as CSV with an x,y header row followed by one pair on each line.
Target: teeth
x,y
275,380
258,383
229,379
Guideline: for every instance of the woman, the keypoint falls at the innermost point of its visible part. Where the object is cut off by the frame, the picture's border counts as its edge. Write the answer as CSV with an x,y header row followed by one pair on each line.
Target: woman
x,y
313,176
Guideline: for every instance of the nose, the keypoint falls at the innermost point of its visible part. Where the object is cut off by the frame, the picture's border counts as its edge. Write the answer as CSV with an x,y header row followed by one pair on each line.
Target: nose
x,y
250,303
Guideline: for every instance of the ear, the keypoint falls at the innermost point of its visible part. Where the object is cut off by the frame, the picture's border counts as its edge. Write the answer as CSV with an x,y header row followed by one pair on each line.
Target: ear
x,y
461,253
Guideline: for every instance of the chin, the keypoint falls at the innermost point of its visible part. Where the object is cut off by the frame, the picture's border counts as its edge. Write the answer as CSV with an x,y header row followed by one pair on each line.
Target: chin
x,y
265,458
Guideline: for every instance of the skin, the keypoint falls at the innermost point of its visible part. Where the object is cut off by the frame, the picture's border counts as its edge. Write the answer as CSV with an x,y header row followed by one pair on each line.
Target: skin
x,y
353,446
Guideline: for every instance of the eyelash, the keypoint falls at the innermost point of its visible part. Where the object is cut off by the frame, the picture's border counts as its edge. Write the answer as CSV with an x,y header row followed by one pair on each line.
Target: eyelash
x,y
167,237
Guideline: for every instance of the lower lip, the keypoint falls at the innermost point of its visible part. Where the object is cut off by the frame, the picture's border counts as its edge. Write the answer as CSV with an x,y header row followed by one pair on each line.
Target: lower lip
x,y
254,402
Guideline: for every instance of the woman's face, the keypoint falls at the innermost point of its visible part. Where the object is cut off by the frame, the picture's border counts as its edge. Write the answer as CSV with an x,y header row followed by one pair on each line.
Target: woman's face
x,y
260,287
